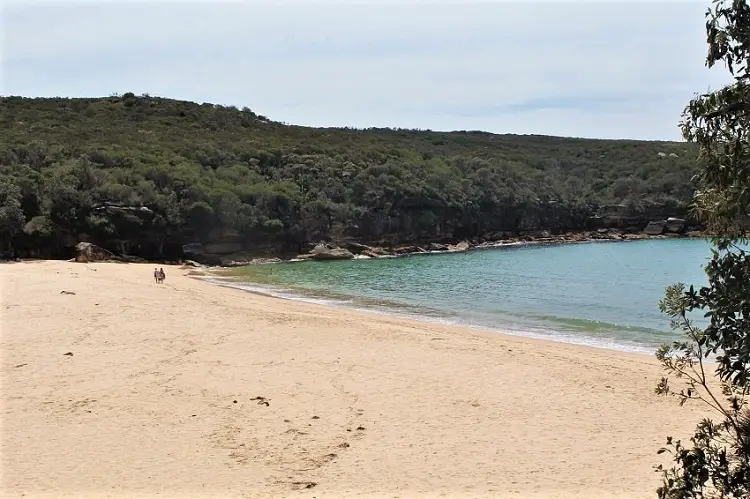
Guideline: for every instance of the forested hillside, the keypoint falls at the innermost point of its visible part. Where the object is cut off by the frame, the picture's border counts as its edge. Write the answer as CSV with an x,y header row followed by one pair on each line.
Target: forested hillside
x,y
147,175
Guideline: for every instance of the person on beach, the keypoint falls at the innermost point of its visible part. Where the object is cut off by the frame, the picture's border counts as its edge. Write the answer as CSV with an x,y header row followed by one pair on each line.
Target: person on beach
x,y
156,275
162,275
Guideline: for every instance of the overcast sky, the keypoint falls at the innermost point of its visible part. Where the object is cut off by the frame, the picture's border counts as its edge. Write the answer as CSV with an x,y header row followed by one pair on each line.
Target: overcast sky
x,y
602,69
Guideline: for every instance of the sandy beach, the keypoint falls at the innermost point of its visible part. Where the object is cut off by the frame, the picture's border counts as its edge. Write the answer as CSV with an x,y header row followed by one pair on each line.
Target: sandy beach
x,y
127,388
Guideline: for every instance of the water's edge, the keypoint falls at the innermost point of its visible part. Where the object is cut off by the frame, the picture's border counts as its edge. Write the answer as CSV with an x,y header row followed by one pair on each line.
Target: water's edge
x,y
359,305
560,240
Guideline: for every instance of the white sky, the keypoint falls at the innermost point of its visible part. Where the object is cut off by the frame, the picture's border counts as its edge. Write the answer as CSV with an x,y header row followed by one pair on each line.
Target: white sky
x,y
593,69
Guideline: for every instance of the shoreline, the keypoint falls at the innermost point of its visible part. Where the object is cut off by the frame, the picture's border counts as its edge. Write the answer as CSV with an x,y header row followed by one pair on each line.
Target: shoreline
x,y
349,251
362,251
303,295
617,336
124,387
299,296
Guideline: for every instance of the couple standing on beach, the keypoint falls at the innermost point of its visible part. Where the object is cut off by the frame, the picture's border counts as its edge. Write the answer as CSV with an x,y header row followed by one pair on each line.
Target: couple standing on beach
x,y
159,275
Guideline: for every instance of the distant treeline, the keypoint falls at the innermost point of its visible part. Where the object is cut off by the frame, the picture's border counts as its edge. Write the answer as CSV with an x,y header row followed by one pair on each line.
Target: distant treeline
x,y
145,175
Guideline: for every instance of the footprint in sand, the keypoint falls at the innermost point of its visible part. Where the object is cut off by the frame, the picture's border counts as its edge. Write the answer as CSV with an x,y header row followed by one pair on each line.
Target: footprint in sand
x,y
261,401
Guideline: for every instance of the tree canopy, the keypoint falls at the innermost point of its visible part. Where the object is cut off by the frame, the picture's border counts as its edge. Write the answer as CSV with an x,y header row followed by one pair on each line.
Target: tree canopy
x,y
84,168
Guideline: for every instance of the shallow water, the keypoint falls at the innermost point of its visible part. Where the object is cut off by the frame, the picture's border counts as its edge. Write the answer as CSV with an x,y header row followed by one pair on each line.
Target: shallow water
x,y
603,294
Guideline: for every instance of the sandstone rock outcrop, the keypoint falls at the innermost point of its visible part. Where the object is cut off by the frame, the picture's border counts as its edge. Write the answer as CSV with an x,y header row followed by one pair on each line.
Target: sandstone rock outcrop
x,y
87,252
675,225
329,252
655,228
462,246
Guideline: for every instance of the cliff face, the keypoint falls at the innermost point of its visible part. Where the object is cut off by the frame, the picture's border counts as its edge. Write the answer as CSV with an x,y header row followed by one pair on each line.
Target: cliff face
x,y
626,218
396,235
149,176
387,230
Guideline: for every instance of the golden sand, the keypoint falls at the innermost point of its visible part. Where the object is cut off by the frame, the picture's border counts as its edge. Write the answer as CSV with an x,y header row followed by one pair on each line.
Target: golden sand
x,y
187,389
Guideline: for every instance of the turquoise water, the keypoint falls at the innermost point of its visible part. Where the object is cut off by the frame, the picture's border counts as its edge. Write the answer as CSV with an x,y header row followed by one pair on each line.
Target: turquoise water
x,y
603,294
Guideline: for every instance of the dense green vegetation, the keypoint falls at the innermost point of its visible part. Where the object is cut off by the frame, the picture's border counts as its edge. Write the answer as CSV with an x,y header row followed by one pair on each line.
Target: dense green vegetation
x,y
208,173
715,464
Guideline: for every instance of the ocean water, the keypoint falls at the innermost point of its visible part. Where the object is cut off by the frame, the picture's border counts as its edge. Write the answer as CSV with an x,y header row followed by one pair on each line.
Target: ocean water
x,y
600,294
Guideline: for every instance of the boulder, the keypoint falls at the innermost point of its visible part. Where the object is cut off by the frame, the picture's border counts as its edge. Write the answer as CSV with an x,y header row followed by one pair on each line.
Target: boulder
x,y
243,262
655,228
325,251
375,253
462,246
357,248
322,248
437,247
405,250
208,259
331,254
88,252
675,225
